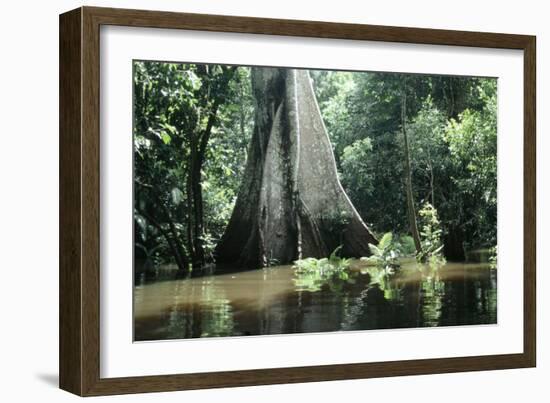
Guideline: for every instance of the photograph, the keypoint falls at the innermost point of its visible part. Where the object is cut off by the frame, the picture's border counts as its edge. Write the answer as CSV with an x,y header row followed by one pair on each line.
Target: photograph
x,y
279,200
247,200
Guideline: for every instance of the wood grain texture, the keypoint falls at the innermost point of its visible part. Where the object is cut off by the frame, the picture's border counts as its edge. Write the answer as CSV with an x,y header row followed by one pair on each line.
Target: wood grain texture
x,y
530,202
70,270
80,200
90,201
315,29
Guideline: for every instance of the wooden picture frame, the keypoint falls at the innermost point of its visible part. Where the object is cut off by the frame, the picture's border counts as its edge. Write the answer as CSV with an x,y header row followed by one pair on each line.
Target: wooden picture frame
x,y
79,201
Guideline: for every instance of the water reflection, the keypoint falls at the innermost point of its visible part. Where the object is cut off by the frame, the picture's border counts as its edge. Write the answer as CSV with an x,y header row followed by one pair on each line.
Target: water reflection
x,y
277,300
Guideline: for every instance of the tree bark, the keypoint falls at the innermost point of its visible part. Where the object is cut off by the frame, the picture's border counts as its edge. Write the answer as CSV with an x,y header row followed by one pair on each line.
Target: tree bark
x,y
408,177
190,213
196,185
198,145
291,203
432,190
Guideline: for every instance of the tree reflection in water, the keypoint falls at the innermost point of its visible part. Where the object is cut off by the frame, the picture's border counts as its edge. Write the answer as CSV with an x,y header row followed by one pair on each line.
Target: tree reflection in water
x,y
279,300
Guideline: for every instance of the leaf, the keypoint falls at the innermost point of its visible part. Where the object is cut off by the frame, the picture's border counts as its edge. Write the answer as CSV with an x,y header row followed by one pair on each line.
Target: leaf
x,y
227,171
385,241
169,127
334,255
177,196
195,81
374,250
165,138
140,221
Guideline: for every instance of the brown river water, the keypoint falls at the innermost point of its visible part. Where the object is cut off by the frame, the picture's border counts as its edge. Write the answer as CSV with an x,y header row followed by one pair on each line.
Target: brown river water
x,y
278,300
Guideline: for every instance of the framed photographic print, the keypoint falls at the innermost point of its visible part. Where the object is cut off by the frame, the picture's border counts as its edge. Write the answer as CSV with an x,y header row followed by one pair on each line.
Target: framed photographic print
x,y
250,201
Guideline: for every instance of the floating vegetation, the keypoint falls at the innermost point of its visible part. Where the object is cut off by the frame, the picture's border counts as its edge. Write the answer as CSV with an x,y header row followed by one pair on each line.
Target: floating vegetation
x,y
386,254
311,273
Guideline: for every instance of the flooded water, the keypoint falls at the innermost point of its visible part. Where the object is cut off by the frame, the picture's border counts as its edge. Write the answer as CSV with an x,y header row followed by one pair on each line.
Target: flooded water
x,y
278,300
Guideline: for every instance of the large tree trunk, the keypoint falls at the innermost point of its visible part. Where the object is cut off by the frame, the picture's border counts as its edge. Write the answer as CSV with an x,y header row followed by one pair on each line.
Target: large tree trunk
x,y
291,203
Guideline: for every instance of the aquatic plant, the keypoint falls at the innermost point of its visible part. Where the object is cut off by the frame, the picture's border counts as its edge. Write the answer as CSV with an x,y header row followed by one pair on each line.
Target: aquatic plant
x,y
312,273
333,262
430,233
385,254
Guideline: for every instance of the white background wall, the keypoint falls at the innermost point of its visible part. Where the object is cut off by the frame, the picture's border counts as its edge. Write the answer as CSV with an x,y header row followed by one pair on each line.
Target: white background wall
x,y
29,198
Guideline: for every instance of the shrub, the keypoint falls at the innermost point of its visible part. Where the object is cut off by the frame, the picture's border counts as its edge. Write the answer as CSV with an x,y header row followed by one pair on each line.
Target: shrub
x,y
385,254
430,235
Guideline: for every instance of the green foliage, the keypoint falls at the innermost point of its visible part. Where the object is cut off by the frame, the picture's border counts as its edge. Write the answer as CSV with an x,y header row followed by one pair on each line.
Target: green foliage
x,y
227,152
314,280
406,245
312,273
333,90
209,244
338,262
309,264
493,253
386,254
429,152
451,124
472,142
327,264
381,277
430,233
357,171
173,105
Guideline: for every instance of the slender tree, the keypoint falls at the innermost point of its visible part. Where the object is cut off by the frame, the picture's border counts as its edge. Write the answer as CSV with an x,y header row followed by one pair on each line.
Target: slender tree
x,y
408,175
212,94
